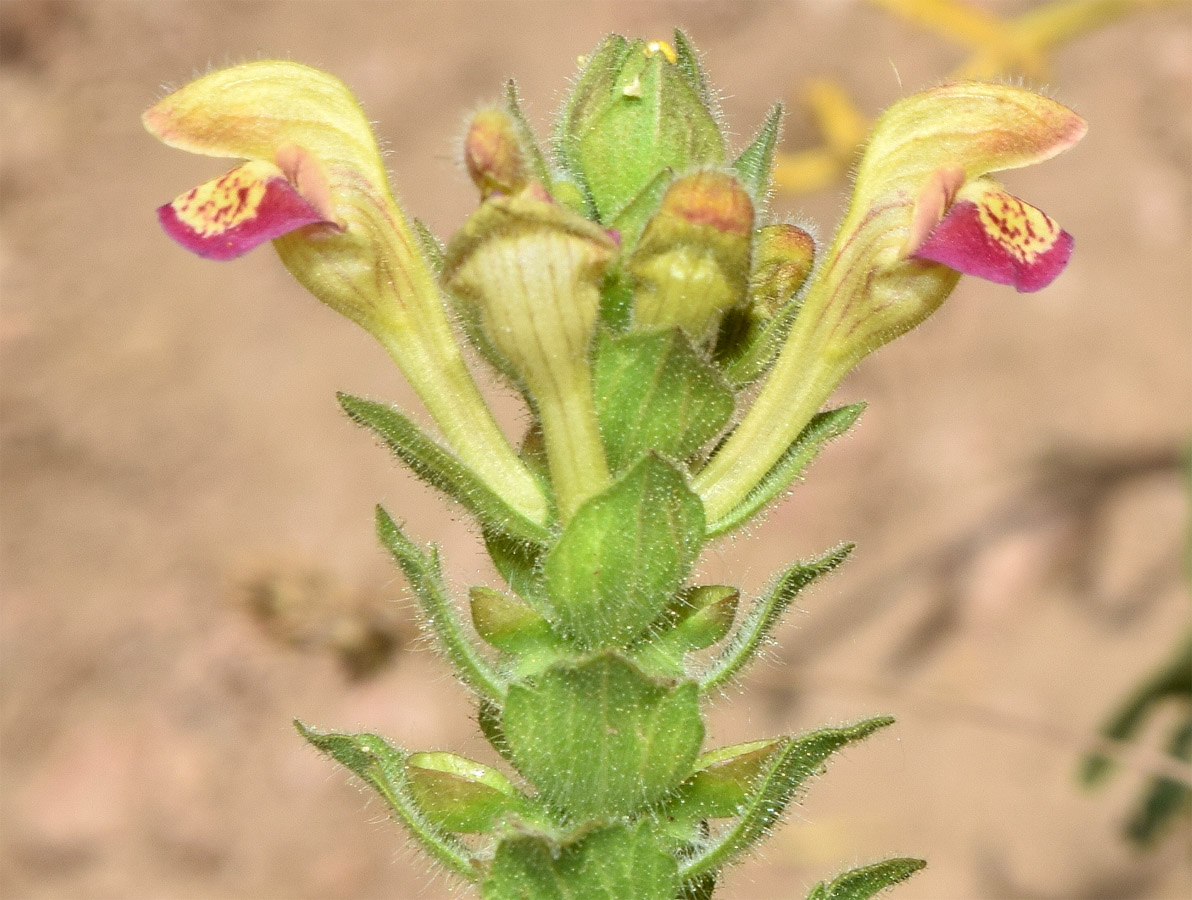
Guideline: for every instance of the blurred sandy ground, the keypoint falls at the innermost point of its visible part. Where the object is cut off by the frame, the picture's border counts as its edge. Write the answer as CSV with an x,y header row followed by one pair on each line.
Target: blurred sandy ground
x,y
170,430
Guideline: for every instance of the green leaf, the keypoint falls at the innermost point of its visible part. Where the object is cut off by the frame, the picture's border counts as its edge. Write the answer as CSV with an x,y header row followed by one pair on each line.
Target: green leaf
x,y
785,772
426,579
764,615
520,564
383,767
617,862
624,554
756,162
459,794
1172,679
617,293
867,881
654,392
600,739
721,785
438,467
822,428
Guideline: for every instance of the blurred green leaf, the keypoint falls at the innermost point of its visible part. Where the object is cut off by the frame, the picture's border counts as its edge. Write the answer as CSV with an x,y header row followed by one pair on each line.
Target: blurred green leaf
x,y
867,881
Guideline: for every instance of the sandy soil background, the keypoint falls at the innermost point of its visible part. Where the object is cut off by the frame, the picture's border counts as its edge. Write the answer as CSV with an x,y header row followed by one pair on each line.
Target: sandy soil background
x,y
188,558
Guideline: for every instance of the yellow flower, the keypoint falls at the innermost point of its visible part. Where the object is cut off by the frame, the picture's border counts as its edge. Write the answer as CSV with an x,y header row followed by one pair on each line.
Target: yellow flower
x,y
922,212
315,184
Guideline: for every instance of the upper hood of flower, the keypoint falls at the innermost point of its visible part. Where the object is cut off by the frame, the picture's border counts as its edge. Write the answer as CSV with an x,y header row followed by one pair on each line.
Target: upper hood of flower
x,y
973,127
253,110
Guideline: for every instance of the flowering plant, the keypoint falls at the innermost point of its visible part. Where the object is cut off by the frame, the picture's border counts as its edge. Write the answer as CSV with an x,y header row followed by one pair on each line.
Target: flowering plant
x,y
630,286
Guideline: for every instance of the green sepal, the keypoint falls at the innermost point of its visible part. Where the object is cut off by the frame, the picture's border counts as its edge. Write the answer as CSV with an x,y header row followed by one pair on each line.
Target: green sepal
x,y
764,615
756,163
586,94
599,738
488,718
430,245
654,392
382,766
572,197
687,61
631,220
622,556
705,615
617,293
616,862
440,468
822,428
751,357
867,881
520,564
505,623
515,629
525,135
632,114
698,618
458,794
426,578
784,772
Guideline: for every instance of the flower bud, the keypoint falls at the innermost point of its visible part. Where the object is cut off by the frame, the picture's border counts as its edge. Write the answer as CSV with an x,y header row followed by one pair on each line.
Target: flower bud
x,y
782,260
493,154
692,261
638,107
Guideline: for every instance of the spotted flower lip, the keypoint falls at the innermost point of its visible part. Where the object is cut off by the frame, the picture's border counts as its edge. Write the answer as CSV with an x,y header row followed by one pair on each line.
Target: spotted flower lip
x,y
230,215
992,234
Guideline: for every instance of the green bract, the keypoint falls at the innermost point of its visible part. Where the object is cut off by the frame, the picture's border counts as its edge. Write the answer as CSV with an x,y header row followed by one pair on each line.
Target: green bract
x,y
629,287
